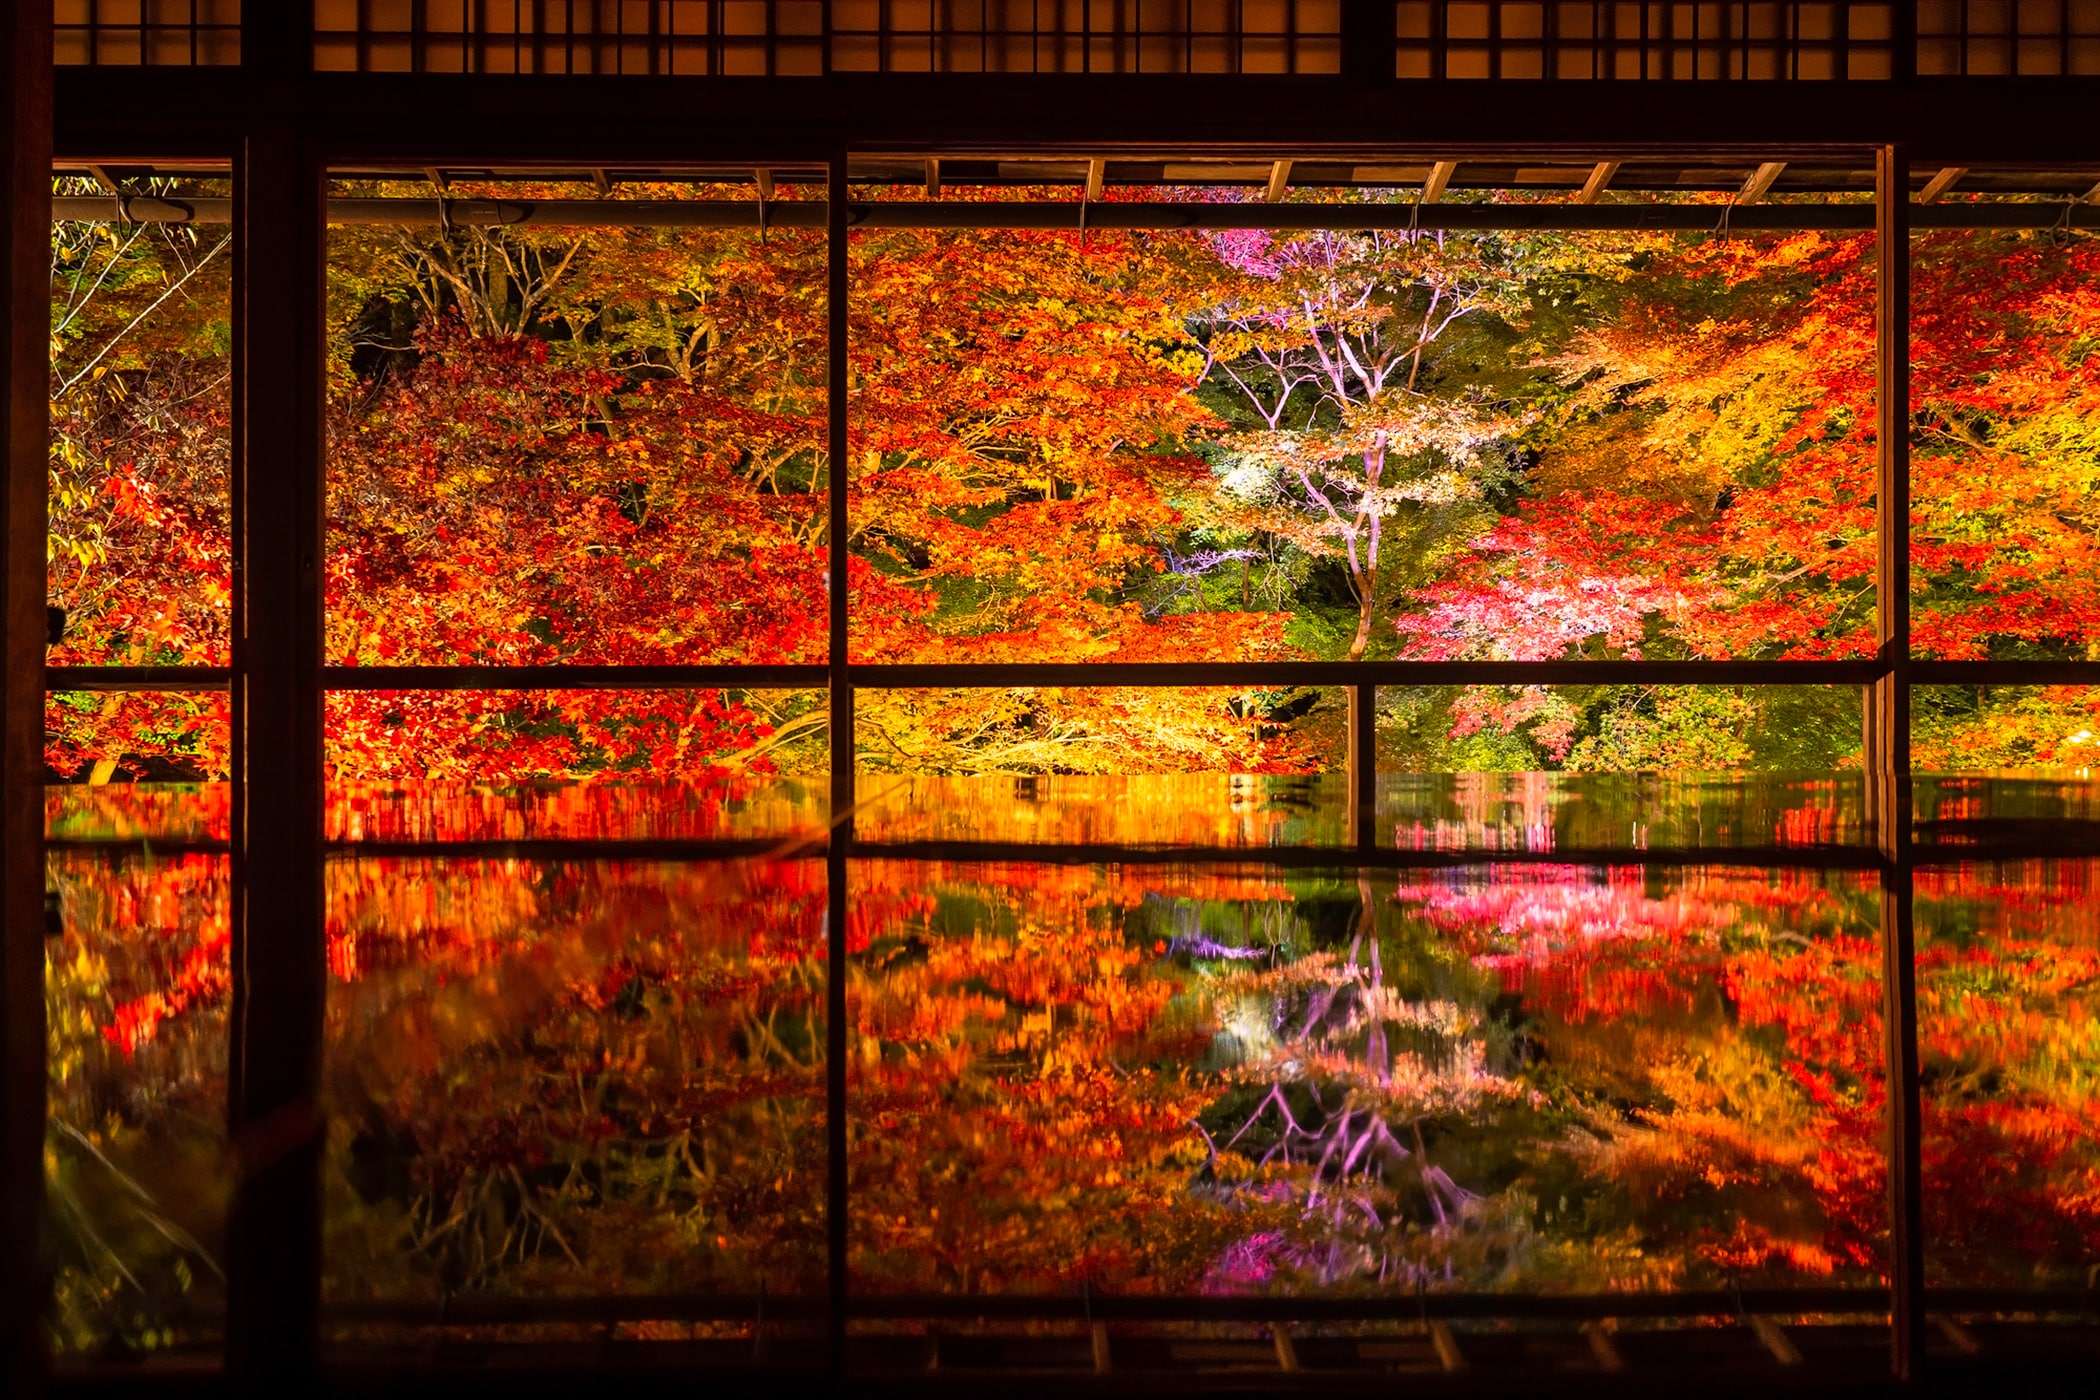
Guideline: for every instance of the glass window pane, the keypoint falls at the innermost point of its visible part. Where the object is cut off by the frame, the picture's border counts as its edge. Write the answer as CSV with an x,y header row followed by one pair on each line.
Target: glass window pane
x,y
1563,1079
592,445
2008,960
141,395
2003,461
550,1081
685,765
1317,445
1079,764
136,1176
2047,731
1718,729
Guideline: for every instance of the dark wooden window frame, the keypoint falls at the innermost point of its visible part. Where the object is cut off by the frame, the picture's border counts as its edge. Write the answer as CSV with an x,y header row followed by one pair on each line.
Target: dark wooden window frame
x,y
282,128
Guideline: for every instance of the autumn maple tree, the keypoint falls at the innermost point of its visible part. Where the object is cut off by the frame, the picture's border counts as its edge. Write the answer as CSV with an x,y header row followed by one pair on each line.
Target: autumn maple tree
x,y
609,446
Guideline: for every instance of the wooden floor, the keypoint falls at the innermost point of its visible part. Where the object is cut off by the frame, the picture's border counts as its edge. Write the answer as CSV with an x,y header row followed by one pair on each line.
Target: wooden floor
x,y
1756,1356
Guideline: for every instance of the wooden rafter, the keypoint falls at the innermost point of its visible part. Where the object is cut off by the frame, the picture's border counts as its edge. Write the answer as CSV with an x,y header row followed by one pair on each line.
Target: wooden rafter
x,y
1439,176
1760,182
1279,181
1941,182
1603,1350
1600,177
1958,1336
1775,1340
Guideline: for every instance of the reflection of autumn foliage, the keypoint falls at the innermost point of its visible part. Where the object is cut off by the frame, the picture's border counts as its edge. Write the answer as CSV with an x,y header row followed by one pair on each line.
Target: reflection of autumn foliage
x,y
609,1076
135,996
1747,1120
715,805
177,906
1023,1096
2009,1041
596,1076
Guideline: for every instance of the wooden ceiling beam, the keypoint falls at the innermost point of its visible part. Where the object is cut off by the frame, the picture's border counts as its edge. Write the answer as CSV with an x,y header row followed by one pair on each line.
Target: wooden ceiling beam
x,y
1940,183
1600,177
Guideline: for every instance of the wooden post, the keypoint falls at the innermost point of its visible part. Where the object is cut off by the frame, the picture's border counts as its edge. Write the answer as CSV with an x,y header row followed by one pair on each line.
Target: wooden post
x,y
1888,764
838,532
279,949
1362,766
25,358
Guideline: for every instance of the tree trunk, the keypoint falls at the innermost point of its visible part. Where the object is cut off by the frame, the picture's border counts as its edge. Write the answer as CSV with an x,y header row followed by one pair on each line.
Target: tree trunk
x,y
1366,589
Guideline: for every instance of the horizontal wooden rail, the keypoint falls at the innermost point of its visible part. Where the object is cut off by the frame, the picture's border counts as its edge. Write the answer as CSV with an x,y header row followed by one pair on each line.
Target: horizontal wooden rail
x,y
967,675
813,845
973,676
705,677
1394,1306
1075,214
59,679
2078,844
1828,857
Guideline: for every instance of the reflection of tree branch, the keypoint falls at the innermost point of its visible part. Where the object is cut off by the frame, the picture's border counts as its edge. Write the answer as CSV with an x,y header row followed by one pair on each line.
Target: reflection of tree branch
x,y
173,1233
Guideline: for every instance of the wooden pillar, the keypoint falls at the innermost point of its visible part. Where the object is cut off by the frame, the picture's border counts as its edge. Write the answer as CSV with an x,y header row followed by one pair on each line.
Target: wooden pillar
x,y
279,954
838,533
1888,760
1362,766
25,59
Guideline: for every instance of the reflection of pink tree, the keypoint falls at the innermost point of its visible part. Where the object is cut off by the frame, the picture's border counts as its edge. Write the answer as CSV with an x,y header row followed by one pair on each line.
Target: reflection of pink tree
x,y
1765,1122
1496,811
1577,948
